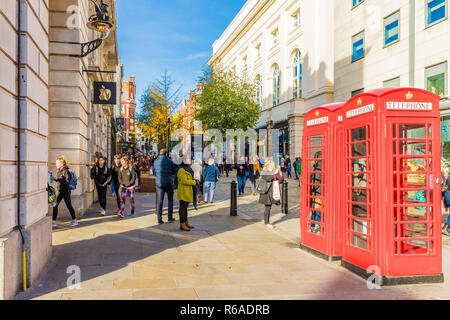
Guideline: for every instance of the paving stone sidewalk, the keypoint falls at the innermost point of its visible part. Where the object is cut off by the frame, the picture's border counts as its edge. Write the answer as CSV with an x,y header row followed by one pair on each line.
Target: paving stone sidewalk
x,y
223,258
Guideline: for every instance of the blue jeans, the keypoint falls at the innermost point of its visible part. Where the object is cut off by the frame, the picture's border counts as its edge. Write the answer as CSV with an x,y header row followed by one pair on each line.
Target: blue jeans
x,y
241,184
161,191
210,189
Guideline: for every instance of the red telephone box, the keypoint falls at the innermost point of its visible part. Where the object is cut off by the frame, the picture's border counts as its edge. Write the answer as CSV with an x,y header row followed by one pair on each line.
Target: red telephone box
x,y
391,207
320,218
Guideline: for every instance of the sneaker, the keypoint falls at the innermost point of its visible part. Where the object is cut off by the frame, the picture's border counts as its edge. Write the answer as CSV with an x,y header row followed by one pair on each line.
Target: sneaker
x,y
171,220
160,222
446,232
54,224
269,226
121,215
73,224
103,212
131,214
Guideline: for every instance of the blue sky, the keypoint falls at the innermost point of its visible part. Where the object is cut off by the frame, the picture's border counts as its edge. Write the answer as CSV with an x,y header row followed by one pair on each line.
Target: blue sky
x,y
172,35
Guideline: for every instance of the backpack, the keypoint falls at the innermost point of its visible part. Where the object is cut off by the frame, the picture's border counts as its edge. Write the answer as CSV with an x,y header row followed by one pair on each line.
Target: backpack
x,y
73,180
262,186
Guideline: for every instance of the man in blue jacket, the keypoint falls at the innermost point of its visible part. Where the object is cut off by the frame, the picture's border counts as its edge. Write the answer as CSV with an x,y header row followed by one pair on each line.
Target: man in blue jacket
x,y
164,172
210,176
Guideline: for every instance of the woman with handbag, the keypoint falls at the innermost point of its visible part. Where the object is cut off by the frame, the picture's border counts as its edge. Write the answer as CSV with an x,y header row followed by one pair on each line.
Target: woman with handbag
x,y
273,178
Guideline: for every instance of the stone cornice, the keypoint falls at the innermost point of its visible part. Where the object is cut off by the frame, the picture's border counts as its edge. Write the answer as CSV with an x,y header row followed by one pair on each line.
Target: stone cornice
x,y
243,28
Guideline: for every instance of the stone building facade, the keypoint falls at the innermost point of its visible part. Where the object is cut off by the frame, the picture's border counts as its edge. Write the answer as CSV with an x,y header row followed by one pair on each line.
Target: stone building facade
x,y
46,111
402,43
287,47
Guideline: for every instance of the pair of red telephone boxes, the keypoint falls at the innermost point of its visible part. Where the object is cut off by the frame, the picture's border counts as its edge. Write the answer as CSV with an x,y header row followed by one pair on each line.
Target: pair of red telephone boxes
x,y
371,185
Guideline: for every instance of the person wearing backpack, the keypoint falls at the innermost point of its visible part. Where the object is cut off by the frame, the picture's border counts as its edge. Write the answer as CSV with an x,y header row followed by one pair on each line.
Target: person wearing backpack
x,y
165,171
211,175
270,175
127,180
115,169
66,181
102,177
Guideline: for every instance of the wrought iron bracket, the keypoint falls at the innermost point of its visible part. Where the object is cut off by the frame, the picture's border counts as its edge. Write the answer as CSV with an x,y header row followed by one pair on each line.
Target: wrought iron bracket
x,y
91,46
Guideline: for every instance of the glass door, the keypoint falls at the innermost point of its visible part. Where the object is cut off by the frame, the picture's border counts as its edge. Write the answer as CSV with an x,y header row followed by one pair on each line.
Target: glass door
x,y
359,233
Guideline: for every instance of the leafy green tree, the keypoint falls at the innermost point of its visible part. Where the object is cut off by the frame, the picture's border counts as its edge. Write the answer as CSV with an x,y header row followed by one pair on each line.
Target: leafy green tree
x,y
158,104
227,100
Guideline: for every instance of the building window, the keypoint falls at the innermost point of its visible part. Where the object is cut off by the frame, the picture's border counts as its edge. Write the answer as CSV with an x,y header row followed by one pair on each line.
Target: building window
x,y
276,85
296,17
392,28
358,46
356,92
392,83
297,75
276,36
436,11
259,89
356,2
436,79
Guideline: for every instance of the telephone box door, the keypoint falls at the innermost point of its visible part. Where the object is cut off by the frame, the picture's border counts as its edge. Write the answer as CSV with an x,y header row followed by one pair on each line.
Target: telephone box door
x,y
314,219
358,217
414,205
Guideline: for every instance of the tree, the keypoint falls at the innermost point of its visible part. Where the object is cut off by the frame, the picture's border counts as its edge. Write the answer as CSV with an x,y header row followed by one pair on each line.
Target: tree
x,y
158,104
227,100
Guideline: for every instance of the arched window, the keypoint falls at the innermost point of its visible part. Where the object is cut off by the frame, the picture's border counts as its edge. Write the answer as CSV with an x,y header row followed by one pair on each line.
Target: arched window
x,y
276,85
259,89
297,68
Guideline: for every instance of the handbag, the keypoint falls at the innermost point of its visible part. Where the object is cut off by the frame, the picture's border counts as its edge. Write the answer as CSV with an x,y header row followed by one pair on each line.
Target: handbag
x,y
276,190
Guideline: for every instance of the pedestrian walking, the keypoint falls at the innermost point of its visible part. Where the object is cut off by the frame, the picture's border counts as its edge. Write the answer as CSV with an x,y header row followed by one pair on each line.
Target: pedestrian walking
x,y
165,172
255,173
185,194
127,181
446,196
227,167
102,177
63,179
241,175
115,168
198,176
272,178
211,175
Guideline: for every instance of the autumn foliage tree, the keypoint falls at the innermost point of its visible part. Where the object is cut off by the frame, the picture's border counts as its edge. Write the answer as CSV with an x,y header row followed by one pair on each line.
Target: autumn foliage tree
x,y
158,104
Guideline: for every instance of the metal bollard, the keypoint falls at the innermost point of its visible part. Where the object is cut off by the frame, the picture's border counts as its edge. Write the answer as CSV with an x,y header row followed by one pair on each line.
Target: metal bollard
x,y
233,205
285,198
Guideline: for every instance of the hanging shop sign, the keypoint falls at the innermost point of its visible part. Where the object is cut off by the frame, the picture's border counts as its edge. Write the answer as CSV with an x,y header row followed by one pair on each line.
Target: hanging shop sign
x,y
105,92
120,124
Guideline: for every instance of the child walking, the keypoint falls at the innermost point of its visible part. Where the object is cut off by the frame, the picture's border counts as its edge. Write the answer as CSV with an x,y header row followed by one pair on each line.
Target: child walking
x,y
127,180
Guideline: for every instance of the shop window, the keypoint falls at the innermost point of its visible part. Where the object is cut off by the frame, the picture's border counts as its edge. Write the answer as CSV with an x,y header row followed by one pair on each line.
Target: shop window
x,y
297,75
392,83
436,79
392,28
356,2
436,10
358,46
445,134
276,85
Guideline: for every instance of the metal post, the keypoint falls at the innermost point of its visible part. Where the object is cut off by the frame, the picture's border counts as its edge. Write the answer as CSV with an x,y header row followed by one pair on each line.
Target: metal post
x,y
285,198
233,206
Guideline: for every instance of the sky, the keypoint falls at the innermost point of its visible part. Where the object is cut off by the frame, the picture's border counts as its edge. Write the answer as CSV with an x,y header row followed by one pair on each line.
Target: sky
x,y
173,35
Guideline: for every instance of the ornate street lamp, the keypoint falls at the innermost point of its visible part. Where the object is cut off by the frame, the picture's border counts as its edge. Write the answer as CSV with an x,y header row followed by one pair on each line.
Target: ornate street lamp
x,y
100,22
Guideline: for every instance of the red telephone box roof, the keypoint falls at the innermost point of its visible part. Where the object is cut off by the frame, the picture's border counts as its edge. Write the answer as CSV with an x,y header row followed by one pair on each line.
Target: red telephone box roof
x,y
392,100
332,107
